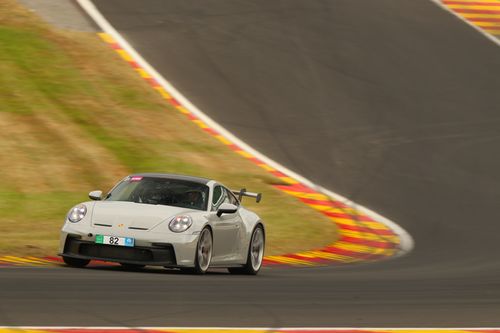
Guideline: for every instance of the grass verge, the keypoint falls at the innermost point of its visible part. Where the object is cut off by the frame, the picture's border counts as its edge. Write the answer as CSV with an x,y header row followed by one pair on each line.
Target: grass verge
x,y
74,118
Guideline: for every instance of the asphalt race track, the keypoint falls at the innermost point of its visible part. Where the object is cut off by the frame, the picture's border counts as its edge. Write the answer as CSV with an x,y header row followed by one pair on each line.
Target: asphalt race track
x,y
392,103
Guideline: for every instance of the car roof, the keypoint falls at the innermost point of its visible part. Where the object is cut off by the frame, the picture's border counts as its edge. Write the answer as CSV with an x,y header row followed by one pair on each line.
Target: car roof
x,y
200,180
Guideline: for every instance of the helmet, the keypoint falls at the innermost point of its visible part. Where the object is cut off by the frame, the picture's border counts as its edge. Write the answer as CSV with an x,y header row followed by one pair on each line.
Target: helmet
x,y
194,198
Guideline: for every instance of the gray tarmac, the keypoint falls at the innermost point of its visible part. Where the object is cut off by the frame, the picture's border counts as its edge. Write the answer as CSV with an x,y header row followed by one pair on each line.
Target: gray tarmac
x,y
393,104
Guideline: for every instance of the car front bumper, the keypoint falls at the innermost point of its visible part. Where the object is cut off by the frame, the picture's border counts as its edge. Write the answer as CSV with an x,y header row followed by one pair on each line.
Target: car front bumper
x,y
160,249
158,255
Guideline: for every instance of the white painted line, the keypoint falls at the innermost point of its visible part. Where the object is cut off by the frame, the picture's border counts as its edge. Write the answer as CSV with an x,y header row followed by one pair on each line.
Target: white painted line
x,y
492,38
407,243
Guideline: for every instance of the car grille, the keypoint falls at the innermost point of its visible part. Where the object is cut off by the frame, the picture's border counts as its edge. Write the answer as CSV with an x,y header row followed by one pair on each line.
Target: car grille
x,y
115,252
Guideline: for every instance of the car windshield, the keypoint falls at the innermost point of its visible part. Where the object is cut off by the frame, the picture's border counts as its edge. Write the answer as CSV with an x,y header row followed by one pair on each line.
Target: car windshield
x,y
161,191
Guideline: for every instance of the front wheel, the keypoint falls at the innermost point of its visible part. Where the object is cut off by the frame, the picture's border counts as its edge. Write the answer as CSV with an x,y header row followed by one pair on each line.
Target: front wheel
x,y
255,254
75,262
203,252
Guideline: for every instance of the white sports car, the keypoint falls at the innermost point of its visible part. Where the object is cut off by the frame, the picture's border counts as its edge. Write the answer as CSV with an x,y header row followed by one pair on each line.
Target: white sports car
x,y
166,220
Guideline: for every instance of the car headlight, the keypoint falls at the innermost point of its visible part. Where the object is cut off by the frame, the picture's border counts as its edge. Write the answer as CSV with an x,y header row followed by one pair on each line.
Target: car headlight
x,y
180,223
77,213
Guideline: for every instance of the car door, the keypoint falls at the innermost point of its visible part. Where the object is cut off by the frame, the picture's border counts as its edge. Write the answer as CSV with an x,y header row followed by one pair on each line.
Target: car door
x,y
226,228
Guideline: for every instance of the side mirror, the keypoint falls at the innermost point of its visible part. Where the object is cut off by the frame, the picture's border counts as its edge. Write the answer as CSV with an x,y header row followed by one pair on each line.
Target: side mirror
x,y
95,195
226,208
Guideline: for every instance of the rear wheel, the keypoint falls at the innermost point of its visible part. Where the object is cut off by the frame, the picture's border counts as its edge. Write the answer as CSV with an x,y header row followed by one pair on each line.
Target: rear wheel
x,y
255,254
203,252
75,262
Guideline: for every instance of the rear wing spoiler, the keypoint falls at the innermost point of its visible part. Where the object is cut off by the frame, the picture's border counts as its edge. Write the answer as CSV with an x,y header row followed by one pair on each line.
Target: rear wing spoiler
x,y
243,193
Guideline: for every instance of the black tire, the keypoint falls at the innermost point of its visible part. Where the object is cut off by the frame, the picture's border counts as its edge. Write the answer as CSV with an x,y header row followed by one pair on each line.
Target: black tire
x,y
202,253
75,262
132,266
251,268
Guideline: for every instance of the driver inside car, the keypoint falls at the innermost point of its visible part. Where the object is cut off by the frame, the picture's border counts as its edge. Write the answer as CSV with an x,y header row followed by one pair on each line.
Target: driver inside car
x,y
194,199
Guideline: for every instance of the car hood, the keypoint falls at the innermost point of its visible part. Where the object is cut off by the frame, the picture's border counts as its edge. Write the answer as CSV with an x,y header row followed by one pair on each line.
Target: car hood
x,y
133,215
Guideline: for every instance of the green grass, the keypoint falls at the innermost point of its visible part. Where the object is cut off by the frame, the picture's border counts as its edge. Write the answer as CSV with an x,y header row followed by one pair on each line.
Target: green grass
x,y
74,117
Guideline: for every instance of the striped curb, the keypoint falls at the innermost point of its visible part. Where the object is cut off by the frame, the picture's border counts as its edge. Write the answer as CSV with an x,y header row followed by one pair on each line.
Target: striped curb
x,y
31,261
484,14
239,330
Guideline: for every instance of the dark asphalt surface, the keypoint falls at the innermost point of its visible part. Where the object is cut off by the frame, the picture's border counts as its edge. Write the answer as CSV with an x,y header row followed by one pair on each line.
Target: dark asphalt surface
x,y
392,103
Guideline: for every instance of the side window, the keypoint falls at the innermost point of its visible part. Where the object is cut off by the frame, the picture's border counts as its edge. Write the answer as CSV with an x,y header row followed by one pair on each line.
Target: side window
x,y
216,199
223,195
226,197
232,198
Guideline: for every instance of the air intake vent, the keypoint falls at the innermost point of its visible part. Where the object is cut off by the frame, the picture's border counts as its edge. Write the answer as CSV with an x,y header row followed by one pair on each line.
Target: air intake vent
x,y
103,225
137,228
